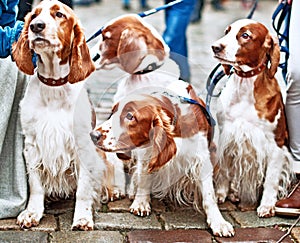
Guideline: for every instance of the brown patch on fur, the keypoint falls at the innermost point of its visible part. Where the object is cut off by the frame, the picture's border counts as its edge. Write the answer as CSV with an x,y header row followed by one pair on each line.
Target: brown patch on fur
x,y
193,122
125,35
21,52
269,103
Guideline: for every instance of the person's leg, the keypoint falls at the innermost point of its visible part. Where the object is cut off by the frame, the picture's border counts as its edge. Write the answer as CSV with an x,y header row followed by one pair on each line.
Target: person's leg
x,y
126,4
143,4
177,19
13,177
197,11
291,205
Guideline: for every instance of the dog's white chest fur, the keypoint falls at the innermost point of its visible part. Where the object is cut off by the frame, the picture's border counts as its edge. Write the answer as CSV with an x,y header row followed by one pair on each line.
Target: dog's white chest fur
x,y
50,130
238,100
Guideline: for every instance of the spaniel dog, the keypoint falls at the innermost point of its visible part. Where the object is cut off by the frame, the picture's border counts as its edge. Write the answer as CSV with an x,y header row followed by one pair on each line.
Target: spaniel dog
x,y
133,45
56,114
168,133
254,162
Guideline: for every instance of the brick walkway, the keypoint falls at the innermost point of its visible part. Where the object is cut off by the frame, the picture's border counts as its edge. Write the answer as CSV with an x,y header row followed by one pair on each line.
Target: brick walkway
x,y
113,222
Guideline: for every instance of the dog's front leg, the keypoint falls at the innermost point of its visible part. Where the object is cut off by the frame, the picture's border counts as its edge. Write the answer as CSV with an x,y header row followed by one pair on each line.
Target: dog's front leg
x,y
89,182
271,184
141,203
35,208
215,220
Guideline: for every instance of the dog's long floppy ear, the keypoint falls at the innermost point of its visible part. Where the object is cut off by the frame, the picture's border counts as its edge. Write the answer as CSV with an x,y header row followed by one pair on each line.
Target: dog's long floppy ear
x,y
132,48
21,52
81,64
164,147
273,53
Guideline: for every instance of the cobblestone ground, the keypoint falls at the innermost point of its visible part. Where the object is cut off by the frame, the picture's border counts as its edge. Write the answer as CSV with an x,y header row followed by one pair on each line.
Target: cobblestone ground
x,y
113,222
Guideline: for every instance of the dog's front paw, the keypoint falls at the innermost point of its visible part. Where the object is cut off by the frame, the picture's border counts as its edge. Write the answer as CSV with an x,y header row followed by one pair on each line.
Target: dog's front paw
x,y
83,224
222,228
140,208
221,196
265,211
116,194
28,219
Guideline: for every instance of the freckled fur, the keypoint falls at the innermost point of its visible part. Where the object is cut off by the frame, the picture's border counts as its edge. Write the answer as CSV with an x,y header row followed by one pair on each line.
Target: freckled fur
x,y
60,156
255,166
168,163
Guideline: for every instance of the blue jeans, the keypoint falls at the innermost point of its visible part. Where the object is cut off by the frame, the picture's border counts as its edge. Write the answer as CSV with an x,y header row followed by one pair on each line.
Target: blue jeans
x,y
177,19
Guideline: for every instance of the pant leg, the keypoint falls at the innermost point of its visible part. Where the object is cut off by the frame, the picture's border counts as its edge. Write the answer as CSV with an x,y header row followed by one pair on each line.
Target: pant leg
x,y
293,89
13,178
177,19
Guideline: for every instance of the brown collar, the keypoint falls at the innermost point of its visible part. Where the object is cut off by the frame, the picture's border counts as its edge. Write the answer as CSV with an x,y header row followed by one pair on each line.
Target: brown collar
x,y
252,72
53,82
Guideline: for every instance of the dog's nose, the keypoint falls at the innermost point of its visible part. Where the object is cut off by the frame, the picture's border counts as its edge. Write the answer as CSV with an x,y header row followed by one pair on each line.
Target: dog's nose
x,y
95,136
218,48
37,26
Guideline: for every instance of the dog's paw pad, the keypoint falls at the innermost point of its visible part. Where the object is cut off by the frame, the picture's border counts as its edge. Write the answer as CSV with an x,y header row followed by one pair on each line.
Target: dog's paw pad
x,y
222,229
83,224
140,209
27,219
116,195
264,211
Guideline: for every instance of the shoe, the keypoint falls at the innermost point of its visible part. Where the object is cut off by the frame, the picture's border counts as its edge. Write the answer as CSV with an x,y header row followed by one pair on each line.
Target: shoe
x,y
289,206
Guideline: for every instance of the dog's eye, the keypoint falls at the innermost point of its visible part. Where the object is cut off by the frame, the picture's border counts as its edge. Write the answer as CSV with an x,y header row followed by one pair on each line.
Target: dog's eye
x,y
245,36
129,116
59,15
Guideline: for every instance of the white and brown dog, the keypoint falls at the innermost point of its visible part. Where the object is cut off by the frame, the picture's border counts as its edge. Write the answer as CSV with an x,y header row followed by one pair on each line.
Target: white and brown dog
x,y
56,114
255,164
169,140
133,45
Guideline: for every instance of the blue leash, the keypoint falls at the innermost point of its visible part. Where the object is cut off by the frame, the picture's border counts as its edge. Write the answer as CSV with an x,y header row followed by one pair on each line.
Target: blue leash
x,y
142,14
281,16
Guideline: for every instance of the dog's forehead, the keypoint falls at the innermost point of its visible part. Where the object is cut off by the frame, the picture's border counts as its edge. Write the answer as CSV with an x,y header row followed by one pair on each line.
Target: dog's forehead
x,y
245,24
50,6
127,103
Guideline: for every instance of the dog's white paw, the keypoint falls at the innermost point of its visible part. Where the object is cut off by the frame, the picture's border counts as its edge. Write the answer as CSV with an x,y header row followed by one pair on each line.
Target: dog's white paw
x,y
116,194
221,196
265,211
140,208
28,219
222,228
83,224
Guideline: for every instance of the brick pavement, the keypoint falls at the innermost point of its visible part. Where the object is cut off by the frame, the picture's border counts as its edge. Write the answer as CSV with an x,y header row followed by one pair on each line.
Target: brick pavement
x,y
113,222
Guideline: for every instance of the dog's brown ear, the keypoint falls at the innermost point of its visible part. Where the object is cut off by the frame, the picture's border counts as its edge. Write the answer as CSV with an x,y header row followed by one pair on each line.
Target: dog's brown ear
x,y
131,50
81,64
226,68
273,54
21,52
164,147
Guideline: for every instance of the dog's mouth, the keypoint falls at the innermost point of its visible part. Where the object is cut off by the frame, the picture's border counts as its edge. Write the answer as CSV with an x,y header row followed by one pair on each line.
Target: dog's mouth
x,y
114,149
224,61
40,41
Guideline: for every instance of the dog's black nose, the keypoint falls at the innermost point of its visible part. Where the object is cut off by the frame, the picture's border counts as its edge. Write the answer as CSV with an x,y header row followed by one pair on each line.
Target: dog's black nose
x,y
95,136
37,26
218,48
